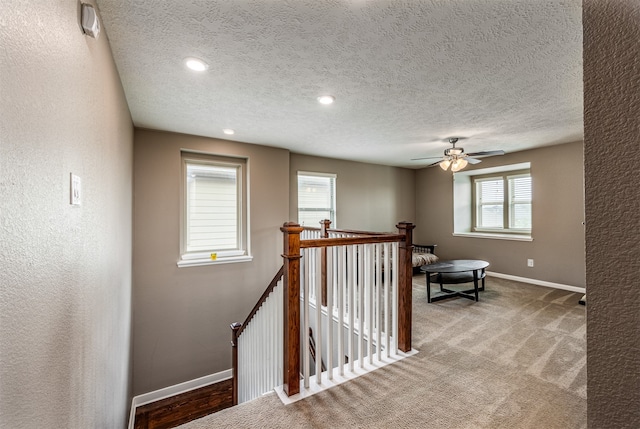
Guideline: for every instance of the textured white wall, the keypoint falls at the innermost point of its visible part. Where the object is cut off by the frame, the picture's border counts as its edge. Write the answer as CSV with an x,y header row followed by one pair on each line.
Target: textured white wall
x,y
65,272
612,197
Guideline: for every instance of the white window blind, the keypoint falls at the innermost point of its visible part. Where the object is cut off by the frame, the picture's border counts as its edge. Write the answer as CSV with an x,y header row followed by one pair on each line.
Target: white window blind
x,y
520,202
490,203
212,208
503,203
316,198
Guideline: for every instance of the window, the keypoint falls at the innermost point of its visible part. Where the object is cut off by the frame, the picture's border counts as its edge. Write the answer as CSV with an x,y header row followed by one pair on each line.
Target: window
x,y
493,202
502,203
316,198
214,218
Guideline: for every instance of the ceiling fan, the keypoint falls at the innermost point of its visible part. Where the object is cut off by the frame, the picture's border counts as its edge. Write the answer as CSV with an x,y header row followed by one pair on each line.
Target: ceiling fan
x,y
457,159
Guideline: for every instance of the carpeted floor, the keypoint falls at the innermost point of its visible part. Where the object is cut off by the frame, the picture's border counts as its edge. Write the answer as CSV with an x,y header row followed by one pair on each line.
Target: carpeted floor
x,y
516,359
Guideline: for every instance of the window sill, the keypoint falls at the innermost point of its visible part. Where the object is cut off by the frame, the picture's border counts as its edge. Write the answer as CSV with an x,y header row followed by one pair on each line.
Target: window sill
x,y
495,236
208,261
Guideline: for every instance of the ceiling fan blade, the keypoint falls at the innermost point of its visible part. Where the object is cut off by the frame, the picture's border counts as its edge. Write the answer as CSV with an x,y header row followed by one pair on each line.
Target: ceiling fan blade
x,y
433,164
471,160
429,157
487,153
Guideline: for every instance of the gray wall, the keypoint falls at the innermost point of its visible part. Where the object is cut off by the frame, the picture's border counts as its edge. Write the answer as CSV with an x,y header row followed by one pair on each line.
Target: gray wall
x,y
182,315
369,196
65,277
558,212
612,152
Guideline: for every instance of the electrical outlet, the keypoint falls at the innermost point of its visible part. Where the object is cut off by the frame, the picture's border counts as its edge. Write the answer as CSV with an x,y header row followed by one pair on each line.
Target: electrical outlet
x,y
529,262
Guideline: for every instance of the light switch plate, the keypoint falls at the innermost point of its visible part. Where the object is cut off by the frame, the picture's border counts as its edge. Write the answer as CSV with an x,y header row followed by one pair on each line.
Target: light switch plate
x,y
76,190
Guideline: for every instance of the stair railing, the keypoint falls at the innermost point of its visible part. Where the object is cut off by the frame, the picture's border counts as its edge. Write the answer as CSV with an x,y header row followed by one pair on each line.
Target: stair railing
x,y
259,368
364,283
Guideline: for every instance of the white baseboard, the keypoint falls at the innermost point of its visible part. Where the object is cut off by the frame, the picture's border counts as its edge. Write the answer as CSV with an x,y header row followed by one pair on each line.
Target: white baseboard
x,y
538,282
167,392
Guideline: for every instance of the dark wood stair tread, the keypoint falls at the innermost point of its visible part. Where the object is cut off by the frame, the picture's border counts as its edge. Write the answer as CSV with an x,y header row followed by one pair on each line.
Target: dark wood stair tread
x,y
176,410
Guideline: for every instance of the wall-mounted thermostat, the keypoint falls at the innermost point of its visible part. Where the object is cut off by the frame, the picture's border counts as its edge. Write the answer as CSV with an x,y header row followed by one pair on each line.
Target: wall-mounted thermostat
x,y
76,190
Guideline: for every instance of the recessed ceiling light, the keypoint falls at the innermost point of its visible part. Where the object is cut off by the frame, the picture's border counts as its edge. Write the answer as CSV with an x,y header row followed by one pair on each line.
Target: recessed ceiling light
x,y
228,131
326,99
196,64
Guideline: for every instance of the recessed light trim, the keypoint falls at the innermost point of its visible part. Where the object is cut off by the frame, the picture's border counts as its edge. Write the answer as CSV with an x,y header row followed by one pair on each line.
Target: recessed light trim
x,y
326,99
228,131
195,64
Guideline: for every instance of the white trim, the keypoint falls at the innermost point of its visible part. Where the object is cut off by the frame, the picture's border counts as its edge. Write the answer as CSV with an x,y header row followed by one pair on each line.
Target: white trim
x,y
167,392
211,254
491,170
314,173
325,384
495,236
200,262
537,282
132,413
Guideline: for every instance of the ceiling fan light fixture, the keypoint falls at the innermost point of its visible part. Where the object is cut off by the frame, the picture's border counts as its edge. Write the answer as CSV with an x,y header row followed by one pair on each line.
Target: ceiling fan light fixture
x,y
445,164
458,164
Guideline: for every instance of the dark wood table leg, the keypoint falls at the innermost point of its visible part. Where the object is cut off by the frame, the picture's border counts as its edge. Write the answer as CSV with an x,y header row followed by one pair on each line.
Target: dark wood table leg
x,y
428,286
475,283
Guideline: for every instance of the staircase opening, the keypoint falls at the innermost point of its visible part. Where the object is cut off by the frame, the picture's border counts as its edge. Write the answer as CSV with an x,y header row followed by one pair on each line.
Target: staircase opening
x,y
339,307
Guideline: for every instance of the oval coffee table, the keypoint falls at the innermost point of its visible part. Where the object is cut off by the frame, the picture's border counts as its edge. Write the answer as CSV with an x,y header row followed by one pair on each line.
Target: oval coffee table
x,y
456,271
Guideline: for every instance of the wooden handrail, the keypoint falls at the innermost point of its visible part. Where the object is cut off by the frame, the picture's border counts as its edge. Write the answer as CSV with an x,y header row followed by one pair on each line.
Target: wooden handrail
x,y
345,241
346,231
262,299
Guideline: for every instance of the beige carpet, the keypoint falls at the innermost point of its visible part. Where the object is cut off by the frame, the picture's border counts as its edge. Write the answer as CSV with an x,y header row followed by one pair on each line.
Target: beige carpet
x,y
516,359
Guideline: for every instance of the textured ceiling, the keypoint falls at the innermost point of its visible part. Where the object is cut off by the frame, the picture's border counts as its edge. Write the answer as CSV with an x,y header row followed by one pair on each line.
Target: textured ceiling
x,y
406,74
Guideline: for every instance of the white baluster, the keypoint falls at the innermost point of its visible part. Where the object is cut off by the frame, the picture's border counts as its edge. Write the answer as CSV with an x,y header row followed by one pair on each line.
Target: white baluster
x,y
330,286
369,316
395,298
268,342
318,334
280,323
305,327
378,286
352,306
340,293
240,369
387,291
361,304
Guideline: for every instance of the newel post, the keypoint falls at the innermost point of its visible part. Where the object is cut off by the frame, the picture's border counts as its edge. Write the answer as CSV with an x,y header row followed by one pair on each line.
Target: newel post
x,y
235,327
291,335
405,271
324,233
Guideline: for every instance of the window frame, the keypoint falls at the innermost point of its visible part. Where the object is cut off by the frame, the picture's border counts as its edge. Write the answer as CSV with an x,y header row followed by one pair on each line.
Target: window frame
x,y
332,210
507,205
241,252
